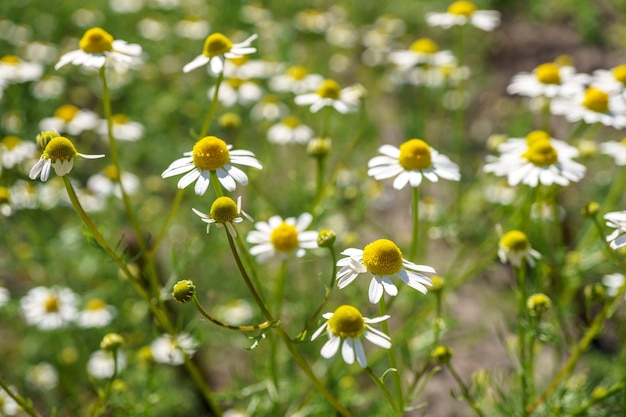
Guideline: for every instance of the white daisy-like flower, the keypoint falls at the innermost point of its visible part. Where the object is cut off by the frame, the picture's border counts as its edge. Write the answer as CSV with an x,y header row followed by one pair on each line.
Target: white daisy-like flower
x,y
58,154
237,91
330,94
172,350
548,80
6,209
289,130
14,151
105,183
463,13
616,150
49,308
123,128
514,247
97,47
192,27
96,313
543,161
217,47
211,154
268,108
515,147
613,283
14,70
592,105
296,79
69,118
411,162
616,220
43,376
383,260
282,237
245,68
8,406
345,327
101,364
224,212
424,51
612,81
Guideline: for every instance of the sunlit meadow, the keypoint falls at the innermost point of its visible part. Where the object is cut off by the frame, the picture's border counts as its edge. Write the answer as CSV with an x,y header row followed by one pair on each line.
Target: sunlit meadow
x,y
224,208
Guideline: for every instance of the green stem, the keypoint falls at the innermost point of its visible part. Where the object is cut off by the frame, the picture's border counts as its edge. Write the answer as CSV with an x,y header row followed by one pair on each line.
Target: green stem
x,y
209,115
279,290
384,390
217,186
465,391
319,181
438,318
392,357
24,405
522,321
168,219
212,319
416,219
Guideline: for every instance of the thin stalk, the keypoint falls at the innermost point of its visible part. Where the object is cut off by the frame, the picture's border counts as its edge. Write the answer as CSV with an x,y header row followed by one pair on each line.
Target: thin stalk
x,y
213,320
216,184
319,179
209,115
392,357
100,407
168,219
465,391
279,290
416,219
384,390
24,405
438,318
520,274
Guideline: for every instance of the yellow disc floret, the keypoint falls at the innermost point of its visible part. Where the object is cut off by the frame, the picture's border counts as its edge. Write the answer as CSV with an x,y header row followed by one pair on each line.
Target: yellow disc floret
x,y
596,100
60,148
297,72
548,73
541,153
424,46
346,321
96,41
10,59
382,257
462,8
415,154
291,121
120,119
111,172
45,137
51,304
536,135
216,44
329,89
223,210
67,112
210,153
95,304
619,73
284,238
10,142
5,195
515,241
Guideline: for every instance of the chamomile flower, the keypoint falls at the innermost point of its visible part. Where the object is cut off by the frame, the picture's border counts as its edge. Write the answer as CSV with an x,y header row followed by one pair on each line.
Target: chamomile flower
x,y
463,13
14,151
49,308
58,154
217,47
172,350
14,70
212,154
514,247
103,365
69,118
612,81
424,51
329,93
97,47
289,130
237,91
411,162
224,212
106,182
547,80
282,237
8,406
123,128
592,105
613,282
617,150
296,79
616,220
345,327
383,260
542,161
96,313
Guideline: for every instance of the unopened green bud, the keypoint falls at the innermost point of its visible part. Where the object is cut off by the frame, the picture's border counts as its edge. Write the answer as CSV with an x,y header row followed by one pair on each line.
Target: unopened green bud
x,y
184,291
111,342
438,284
594,292
230,121
599,393
591,209
319,147
538,303
45,137
441,354
326,238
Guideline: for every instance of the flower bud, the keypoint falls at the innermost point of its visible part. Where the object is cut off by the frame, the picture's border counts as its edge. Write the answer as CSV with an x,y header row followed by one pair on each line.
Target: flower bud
x,y
318,147
438,284
538,304
594,292
111,342
591,209
184,291
230,121
45,137
441,354
326,238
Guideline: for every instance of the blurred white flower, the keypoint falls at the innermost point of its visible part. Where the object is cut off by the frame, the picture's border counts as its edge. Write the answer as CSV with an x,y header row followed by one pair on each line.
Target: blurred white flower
x,y
49,308
172,350
101,364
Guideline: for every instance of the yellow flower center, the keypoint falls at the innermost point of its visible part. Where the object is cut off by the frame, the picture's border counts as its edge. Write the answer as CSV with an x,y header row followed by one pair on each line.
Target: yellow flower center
x,y
596,100
45,137
66,112
619,73
285,238
548,73
297,72
111,172
223,210
216,44
382,257
462,8
10,59
415,154
96,41
329,89
5,195
346,321
515,241
541,153
210,153
60,148
291,121
120,119
11,142
52,304
623,142
564,60
240,60
424,45
536,135
95,304
235,82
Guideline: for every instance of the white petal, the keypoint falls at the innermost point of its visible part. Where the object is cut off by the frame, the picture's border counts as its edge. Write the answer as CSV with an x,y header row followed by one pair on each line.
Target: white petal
x,y
375,291
347,350
360,353
197,62
330,347
378,338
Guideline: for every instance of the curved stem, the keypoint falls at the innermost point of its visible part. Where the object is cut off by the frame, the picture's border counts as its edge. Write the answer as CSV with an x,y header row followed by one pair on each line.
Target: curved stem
x,y
392,357
415,212
209,115
170,215
465,391
212,319
24,405
384,390
521,329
